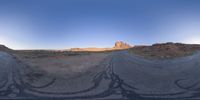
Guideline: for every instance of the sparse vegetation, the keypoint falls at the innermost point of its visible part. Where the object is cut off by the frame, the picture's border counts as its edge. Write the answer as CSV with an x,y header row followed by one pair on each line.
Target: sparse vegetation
x,y
165,50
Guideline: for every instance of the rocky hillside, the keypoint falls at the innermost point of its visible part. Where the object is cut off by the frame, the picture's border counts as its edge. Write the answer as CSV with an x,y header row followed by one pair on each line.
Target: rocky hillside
x,y
165,50
4,48
122,45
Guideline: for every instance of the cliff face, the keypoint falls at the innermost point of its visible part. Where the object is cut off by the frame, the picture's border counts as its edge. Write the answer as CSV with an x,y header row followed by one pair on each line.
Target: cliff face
x,y
122,45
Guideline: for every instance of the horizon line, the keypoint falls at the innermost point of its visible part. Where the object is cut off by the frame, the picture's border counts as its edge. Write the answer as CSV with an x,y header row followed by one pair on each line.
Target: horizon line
x,y
65,49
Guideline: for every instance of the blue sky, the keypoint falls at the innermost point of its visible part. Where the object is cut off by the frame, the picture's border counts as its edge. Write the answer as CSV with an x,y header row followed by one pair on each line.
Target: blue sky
x,y
61,24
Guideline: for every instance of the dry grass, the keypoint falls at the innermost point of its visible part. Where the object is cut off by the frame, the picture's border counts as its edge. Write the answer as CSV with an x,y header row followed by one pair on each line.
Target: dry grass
x,y
63,64
43,64
53,53
45,53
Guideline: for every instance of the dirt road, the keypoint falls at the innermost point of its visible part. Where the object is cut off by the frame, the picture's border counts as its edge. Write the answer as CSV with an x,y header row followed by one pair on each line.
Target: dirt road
x,y
124,76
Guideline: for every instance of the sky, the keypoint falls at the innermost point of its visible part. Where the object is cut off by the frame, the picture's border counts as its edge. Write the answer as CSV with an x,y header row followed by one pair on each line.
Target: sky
x,y
63,24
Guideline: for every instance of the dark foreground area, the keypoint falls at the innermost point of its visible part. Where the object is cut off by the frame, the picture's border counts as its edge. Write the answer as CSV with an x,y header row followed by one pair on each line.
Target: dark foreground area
x,y
119,76
124,76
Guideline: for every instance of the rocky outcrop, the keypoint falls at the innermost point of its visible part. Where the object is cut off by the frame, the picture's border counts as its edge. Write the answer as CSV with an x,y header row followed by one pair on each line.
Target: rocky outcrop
x,y
166,50
122,45
4,48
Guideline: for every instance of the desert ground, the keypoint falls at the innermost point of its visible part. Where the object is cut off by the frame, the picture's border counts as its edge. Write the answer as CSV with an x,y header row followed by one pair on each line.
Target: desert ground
x,y
159,72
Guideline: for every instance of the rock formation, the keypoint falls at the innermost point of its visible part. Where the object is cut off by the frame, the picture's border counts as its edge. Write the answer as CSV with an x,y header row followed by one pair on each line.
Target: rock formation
x,y
121,45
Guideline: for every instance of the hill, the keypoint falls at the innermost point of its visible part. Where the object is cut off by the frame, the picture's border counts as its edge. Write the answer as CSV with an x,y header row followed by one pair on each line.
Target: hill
x,y
4,48
165,50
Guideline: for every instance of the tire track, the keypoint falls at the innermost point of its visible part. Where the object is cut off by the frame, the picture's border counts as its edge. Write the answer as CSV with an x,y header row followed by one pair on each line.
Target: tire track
x,y
116,87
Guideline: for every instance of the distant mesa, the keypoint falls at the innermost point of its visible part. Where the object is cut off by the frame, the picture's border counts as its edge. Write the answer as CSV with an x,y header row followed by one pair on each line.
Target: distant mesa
x,y
122,45
119,45
90,49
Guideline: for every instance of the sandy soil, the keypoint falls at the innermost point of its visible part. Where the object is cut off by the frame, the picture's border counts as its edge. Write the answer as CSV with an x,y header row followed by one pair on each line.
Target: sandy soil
x,y
66,66
104,76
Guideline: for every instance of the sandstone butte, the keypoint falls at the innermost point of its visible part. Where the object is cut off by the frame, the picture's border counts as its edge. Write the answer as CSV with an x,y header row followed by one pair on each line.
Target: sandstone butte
x,y
119,45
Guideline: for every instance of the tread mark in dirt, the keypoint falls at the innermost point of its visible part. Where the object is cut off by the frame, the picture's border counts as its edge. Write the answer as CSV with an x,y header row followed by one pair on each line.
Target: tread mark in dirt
x,y
117,86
